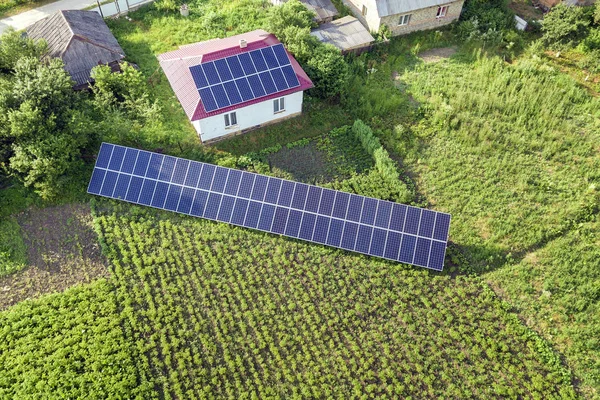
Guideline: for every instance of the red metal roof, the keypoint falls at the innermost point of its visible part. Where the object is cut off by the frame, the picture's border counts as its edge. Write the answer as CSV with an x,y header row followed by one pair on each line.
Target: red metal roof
x,y
176,65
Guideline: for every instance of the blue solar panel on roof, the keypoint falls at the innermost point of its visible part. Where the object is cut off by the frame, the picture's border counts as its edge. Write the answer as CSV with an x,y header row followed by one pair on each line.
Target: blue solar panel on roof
x,y
244,77
365,225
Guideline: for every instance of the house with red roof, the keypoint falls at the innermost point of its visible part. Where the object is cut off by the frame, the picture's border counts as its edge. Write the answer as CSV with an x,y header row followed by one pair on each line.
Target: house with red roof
x,y
232,85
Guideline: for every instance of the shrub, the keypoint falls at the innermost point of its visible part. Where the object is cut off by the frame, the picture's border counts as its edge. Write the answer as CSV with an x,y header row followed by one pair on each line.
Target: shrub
x,y
565,26
14,46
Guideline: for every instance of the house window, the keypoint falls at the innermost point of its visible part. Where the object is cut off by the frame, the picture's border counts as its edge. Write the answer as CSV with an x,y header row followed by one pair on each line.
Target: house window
x,y
442,11
364,10
230,120
279,105
404,19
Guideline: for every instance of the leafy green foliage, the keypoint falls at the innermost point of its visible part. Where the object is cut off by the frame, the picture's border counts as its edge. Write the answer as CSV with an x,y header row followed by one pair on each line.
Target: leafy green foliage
x,y
565,26
13,255
13,46
488,18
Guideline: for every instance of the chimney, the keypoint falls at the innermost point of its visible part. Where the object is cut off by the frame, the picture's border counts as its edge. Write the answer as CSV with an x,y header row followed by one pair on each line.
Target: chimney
x,y
243,44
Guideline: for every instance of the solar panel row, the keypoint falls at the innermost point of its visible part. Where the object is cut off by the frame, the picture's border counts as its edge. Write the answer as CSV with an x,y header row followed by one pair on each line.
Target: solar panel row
x,y
243,77
366,225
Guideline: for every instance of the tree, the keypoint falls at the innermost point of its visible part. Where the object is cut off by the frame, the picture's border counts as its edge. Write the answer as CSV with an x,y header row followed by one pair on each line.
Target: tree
x,y
328,70
289,14
13,46
565,26
41,121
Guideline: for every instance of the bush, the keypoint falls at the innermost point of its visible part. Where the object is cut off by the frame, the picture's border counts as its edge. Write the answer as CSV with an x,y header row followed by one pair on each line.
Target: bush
x,y
565,26
14,46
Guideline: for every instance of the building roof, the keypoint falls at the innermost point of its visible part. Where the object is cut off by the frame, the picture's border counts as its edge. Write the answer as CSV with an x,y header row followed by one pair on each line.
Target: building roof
x,y
176,66
393,7
345,33
80,38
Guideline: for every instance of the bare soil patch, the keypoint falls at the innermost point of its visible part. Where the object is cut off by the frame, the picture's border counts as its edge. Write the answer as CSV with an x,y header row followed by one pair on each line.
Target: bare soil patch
x,y
62,251
525,9
305,164
437,55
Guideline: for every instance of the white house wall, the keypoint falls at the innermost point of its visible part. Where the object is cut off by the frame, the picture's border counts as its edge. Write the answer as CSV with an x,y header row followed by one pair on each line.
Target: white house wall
x,y
251,116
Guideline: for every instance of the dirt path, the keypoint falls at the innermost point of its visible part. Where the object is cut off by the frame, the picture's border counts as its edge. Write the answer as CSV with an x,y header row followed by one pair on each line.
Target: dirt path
x,y
62,250
439,54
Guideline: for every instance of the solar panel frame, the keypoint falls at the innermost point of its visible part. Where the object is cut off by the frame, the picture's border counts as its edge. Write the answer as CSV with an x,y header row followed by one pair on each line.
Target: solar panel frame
x,y
319,215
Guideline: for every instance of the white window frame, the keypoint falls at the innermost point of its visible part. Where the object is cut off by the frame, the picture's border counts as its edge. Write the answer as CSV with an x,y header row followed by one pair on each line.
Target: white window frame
x,y
279,105
442,11
364,10
230,119
404,19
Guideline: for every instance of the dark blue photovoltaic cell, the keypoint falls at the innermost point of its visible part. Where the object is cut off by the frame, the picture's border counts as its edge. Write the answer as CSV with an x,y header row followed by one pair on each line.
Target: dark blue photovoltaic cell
x,y
363,240
244,88
211,73
226,208
246,185
147,192
349,235
427,221
141,165
442,223
160,194
293,224
335,232
258,60
198,76
193,174
280,220
206,177
378,242
422,252
313,199
173,197
279,79
220,96
232,92
281,54
383,229
299,196
407,248
135,186
117,158
269,57
266,217
286,193
392,246
212,206
256,86
341,205
129,161
384,211
307,226
290,76
223,70
166,170
185,202
109,183
239,211
253,214
260,186
272,190
321,227
233,182
436,258
398,214
180,171
199,203
247,63
104,155
219,180
235,67
267,81
413,216
96,181
355,208
208,100
326,204
121,187
369,210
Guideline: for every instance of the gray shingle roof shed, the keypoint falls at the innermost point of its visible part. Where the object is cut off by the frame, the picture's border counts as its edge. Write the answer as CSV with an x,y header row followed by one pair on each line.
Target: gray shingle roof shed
x,y
80,38
347,34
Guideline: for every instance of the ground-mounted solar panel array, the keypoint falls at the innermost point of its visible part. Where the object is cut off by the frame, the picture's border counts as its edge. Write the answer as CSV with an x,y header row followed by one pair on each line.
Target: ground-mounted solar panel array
x,y
356,223
244,77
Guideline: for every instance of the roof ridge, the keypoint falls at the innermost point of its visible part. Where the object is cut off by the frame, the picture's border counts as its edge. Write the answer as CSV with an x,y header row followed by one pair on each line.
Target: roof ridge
x,y
88,40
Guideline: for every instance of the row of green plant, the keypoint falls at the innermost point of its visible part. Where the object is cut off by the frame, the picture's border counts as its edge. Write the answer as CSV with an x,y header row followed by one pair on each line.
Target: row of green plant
x,y
13,254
